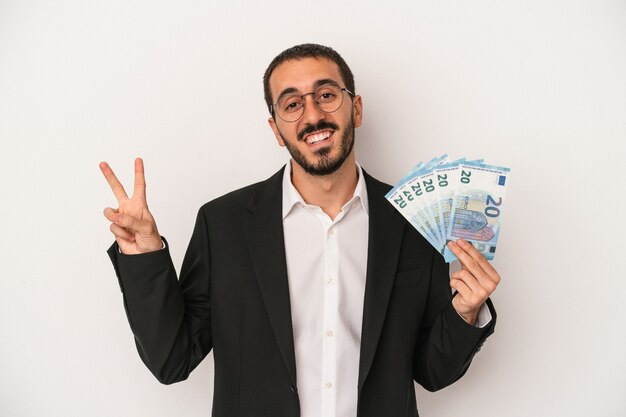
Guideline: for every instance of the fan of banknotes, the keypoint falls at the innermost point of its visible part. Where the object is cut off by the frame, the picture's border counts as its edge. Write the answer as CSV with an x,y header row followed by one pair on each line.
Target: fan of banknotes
x,y
446,200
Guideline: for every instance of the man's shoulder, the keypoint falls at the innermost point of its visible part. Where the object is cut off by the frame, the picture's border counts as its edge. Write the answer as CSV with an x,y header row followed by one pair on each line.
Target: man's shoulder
x,y
376,187
244,197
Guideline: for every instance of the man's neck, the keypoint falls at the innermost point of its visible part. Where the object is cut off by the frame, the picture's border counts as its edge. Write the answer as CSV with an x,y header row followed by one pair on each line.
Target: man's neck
x,y
329,192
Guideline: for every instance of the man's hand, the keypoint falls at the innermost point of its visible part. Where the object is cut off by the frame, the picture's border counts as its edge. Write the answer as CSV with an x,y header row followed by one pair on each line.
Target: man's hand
x,y
132,224
474,283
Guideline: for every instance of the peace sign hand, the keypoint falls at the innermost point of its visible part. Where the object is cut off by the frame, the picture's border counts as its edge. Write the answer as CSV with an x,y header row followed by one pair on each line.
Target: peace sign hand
x,y
474,283
132,224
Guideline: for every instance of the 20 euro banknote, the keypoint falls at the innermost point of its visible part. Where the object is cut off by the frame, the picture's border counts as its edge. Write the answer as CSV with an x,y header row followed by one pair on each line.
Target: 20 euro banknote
x,y
478,206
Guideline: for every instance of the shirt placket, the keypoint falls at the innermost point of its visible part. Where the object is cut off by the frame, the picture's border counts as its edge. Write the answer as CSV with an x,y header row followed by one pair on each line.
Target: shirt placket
x,y
331,308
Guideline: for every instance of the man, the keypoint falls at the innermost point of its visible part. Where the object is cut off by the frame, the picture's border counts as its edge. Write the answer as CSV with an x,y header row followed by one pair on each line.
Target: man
x,y
316,296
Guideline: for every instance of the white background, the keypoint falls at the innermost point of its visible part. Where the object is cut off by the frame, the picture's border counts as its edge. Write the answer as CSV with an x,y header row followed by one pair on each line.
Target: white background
x,y
539,86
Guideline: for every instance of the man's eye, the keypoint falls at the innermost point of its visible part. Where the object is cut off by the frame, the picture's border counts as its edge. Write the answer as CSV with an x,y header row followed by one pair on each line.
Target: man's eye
x,y
326,96
291,106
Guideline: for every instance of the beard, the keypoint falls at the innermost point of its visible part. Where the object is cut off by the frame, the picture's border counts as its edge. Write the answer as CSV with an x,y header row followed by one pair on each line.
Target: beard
x,y
325,164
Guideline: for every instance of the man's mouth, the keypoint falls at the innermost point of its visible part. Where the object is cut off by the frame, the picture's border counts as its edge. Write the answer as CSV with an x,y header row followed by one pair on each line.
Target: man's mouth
x,y
317,137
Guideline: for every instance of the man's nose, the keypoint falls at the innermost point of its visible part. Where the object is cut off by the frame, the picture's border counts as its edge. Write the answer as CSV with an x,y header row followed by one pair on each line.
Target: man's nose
x,y
312,113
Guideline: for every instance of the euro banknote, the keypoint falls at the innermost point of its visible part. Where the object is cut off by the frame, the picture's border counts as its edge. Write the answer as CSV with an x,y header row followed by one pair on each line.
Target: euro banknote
x,y
447,200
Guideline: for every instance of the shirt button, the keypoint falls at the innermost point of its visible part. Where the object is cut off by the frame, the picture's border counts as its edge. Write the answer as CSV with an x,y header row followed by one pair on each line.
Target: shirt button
x,y
330,281
329,333
329,385
331,232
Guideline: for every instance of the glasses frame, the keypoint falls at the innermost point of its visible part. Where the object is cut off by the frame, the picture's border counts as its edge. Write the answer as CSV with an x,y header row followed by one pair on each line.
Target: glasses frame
x,y
342,89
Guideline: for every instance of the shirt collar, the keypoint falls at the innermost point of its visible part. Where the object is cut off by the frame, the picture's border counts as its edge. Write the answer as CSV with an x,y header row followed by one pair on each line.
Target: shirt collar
x,y
291,196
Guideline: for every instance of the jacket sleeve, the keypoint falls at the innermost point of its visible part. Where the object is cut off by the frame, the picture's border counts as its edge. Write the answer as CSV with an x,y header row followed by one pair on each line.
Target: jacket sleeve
x,y
446,343
171,321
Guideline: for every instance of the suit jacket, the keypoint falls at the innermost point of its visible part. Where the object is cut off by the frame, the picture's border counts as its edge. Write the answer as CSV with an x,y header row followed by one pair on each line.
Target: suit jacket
x,y
233,297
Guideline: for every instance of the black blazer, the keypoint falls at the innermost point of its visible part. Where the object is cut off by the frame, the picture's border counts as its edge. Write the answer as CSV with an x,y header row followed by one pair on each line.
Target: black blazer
x,y
233,297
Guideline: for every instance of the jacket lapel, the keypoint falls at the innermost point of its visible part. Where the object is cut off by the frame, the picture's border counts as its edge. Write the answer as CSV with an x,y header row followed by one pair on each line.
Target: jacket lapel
x,y
386,227
264,235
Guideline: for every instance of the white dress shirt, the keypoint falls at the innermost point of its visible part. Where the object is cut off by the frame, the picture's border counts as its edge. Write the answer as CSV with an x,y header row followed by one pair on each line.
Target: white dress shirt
x,y
326,268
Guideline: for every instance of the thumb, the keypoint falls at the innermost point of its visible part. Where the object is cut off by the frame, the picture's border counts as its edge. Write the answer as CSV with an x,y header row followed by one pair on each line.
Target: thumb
x,y
127,222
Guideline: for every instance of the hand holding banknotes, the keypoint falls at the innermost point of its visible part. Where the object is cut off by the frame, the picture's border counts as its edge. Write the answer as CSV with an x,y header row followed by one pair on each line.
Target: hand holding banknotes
x,y
132,224
474,282
462,201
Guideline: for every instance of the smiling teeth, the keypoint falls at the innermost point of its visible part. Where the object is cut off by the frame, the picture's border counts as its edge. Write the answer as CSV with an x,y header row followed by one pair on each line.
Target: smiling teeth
x,y
318,137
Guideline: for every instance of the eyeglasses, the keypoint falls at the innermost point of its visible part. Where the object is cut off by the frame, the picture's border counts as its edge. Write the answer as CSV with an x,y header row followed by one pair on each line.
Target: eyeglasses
x,y
328,97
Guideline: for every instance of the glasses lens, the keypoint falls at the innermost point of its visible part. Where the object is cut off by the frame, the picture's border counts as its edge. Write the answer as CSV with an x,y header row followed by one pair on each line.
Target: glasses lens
x,y
329,98
290,108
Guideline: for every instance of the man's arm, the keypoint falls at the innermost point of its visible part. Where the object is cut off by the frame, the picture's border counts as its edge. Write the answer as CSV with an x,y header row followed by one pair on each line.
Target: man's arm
x,y
447,342
171,322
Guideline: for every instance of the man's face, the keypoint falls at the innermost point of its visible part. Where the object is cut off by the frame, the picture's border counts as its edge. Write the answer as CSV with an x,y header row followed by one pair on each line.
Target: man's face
x,y
319,142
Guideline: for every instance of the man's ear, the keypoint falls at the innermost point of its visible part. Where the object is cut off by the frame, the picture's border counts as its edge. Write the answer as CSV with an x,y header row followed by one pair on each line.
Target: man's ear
x,y
272,124
357,108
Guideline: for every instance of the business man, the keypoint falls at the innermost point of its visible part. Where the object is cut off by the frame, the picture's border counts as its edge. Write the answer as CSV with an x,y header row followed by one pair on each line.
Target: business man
x,y
316,296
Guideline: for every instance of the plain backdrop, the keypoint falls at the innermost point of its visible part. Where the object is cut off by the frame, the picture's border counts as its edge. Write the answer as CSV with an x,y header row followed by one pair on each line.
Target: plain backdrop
x,y
539,86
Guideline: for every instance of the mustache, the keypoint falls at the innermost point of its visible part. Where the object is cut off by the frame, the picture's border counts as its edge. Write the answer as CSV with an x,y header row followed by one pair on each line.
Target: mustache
x,y
322,125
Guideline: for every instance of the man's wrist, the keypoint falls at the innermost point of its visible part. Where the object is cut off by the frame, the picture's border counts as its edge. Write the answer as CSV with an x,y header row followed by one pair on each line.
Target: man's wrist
x,y
481,319
119,250
470,318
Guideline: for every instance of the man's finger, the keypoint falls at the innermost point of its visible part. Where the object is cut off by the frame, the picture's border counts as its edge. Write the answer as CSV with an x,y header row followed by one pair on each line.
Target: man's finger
x,y
479,258
127,222
467,262
120,232
470,264
114,183
461,287
140,180
467,277
123,220
478,290
110,214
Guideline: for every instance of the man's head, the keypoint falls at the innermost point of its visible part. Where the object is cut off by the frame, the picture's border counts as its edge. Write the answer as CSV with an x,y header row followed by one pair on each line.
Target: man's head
x,y
307,50
318,110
